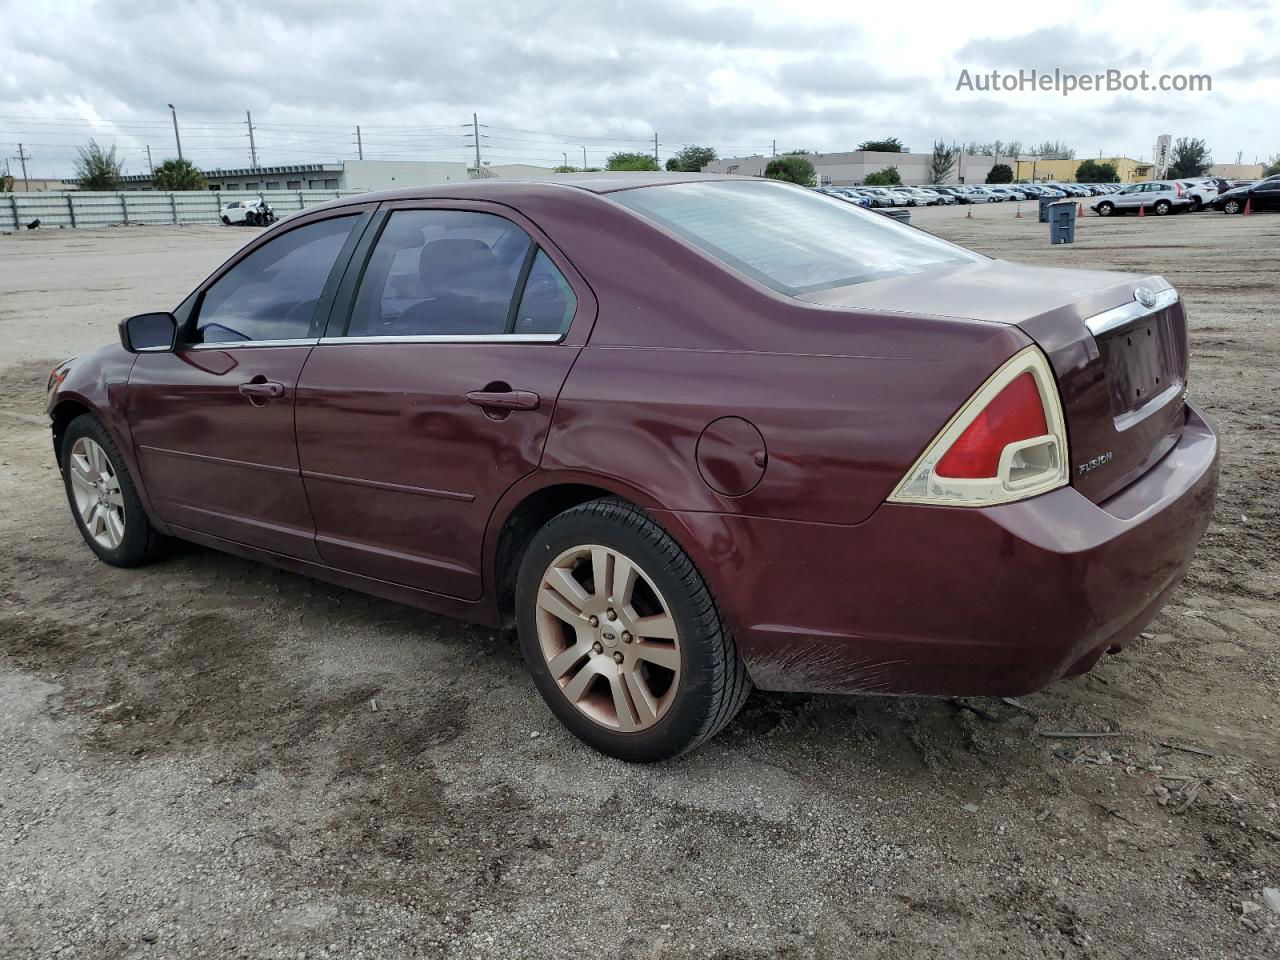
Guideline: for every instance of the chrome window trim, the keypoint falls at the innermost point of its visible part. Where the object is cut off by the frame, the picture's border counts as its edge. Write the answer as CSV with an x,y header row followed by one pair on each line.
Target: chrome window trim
x,y
455,338
235,344
1101,323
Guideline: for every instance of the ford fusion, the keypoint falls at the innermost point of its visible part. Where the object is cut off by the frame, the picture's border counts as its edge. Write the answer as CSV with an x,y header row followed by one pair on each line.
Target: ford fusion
x,y
686,434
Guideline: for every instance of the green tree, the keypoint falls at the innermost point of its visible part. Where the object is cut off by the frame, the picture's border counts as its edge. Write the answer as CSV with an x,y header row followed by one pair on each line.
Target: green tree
x,y
793,168
887,145
1000,173
631,161
691,159
1094,171
96,168
1053,150
1191,158
175,174
1273,166
6,183
942,163
888,177
796,153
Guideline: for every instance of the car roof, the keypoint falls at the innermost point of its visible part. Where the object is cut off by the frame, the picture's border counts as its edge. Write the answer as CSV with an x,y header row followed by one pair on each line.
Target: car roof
x,y
515,189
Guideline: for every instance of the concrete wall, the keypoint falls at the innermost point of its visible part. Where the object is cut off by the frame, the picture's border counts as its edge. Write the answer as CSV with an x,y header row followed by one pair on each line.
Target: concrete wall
x,y
92,209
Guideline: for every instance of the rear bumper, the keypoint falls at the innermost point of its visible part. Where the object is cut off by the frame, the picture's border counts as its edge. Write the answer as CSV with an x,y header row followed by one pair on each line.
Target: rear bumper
x,y
955,601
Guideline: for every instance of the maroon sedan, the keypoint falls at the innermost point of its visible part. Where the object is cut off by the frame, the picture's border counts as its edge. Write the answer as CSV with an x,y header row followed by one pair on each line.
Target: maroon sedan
x,y
687,434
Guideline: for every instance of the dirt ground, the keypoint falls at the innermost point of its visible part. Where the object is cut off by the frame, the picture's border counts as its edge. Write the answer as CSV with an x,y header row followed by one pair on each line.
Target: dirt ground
x,y
191,764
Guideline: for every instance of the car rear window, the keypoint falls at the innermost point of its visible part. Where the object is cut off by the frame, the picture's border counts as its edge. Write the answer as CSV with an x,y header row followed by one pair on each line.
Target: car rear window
x,y
788,238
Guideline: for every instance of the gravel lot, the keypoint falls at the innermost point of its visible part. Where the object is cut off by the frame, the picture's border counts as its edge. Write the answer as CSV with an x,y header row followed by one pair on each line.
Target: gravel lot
x,y
191,764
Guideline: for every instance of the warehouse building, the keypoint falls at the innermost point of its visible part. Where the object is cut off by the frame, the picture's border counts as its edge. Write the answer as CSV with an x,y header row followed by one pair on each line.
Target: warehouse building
x,y
352,175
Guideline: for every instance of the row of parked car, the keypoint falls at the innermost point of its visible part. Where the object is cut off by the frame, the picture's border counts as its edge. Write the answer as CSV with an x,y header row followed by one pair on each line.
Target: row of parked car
x,y
1163,197
947,194
1160,197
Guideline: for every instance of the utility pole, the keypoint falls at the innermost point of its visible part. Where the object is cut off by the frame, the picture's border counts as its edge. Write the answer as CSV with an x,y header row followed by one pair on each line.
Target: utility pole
x,y
359,143
584,159
566,157
253,147
475,131
22,158
177,139
774,151
149,166
655,147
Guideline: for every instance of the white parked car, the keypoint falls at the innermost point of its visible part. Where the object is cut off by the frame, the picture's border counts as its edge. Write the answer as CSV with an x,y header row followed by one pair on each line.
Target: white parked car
x,y
256,212
1160,197
982,195
1200,191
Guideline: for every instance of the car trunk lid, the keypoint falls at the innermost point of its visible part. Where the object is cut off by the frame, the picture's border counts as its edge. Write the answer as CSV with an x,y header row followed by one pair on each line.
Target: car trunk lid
x,y
1120,361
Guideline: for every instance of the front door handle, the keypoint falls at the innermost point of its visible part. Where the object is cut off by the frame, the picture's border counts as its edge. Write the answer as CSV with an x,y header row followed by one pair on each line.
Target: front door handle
x,y
262,390
504,399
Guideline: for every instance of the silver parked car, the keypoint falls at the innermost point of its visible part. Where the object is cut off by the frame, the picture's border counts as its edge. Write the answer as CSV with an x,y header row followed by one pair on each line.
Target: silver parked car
x,y
1160,197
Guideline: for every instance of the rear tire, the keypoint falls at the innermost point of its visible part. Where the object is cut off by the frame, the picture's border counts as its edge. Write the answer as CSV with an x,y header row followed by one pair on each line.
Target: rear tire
x,y
103,498
1162,208
1105,209
644,698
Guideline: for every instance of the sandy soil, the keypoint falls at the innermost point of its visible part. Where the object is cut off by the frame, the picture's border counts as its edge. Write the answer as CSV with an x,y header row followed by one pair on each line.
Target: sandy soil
x,y
192,765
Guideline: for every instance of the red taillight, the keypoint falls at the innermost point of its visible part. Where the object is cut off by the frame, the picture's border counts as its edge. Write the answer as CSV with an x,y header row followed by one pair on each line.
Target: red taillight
x,y
1016,413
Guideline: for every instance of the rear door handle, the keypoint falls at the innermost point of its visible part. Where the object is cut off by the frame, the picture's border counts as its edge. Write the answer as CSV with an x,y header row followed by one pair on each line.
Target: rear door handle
x,y
505,399
263,390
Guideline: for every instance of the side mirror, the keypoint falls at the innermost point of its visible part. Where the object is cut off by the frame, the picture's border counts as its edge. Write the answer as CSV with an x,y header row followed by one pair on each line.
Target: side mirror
x,y
149,332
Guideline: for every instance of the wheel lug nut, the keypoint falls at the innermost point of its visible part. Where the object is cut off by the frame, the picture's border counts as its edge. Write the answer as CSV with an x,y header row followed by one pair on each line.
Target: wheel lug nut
x,y
594,621
597,648
611,615
617,658
626,636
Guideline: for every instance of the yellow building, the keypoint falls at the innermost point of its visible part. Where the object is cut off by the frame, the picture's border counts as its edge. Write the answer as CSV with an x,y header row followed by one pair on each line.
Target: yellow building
x,y
1034,168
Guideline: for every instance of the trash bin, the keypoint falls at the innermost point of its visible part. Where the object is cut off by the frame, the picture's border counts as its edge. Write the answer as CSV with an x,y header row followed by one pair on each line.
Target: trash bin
x,y
1045,202
1062,222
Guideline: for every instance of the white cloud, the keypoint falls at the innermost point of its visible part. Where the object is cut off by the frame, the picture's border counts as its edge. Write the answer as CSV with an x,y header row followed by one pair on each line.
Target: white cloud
x,y
606,74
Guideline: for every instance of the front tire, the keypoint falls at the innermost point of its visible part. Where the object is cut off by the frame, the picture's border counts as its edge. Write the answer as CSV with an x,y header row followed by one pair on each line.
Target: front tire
x,y
103,498
622,636
226,221
1106,209
1232,206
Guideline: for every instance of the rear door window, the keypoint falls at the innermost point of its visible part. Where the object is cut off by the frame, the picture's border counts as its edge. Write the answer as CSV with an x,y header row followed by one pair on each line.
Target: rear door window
x,y
452,273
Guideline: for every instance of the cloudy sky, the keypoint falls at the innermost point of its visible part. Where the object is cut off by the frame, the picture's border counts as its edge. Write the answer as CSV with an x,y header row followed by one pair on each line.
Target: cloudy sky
x,y
550,77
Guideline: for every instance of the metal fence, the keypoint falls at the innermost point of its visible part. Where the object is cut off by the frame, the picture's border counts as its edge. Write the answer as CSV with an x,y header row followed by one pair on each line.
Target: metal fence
x,y
81,208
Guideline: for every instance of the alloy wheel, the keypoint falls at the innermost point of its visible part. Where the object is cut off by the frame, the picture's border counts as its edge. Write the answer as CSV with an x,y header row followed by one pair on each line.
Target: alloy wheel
x,y
608,637
96,489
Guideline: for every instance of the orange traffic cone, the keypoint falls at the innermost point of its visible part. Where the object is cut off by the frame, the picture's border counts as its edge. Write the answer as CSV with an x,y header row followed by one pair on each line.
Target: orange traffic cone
x,y
1079,211
1018,215
1142,211
1248,206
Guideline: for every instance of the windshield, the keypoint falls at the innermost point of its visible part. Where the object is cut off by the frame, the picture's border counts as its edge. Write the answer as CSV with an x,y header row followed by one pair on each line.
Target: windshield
x,y
793,240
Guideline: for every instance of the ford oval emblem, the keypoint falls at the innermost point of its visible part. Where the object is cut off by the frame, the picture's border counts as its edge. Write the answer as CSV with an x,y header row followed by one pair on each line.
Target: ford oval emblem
x,y
1145,296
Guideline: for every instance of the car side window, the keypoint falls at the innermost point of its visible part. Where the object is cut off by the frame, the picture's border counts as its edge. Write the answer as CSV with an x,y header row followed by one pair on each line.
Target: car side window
x,y
272,293
548,302
440,273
